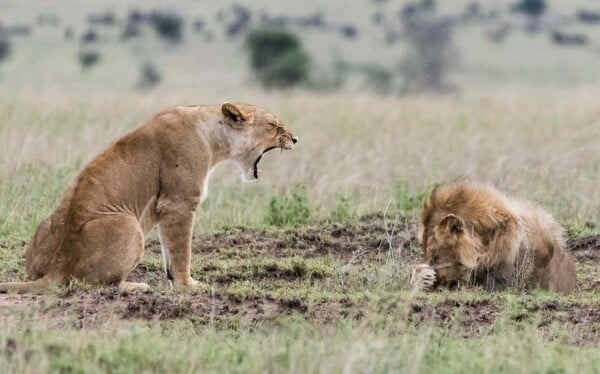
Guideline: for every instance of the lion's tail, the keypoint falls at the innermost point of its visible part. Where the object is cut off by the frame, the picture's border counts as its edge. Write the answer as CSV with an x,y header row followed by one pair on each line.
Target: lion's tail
x,y
37,286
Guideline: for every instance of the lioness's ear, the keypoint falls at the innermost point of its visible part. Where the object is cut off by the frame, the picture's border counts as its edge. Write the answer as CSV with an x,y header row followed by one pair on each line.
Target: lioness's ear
x,y
453,224
232,113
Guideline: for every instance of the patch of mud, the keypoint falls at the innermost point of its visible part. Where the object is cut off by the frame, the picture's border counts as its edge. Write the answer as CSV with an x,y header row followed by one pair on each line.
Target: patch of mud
x,y
371,236
586,249
473,317
108,309
575,314
204,308
580,320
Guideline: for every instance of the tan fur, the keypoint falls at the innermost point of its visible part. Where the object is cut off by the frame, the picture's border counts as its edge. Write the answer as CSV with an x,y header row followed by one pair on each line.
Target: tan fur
x,y
471,232
155,175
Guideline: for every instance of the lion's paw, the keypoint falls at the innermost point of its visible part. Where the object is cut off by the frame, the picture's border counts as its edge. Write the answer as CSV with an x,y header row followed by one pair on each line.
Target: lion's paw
x,y
423,277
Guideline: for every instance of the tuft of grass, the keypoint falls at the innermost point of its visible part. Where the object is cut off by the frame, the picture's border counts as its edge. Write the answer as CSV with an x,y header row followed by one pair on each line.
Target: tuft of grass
x,y
580,229
296,346
406,201
289,210
345,209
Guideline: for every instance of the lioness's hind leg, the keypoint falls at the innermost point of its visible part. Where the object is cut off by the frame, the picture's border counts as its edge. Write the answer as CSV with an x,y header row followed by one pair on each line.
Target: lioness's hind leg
x,y
109,248
40,286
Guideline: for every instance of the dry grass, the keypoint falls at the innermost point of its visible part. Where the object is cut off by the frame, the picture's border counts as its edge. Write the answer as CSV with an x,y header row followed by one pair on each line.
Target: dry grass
x,y
543,149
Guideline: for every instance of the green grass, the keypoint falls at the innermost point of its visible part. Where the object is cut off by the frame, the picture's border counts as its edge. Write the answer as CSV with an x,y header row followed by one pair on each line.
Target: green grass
x,y
378,345
290,310
289,210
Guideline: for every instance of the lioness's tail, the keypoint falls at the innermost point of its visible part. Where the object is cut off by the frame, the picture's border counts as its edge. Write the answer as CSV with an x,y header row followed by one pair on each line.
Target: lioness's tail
x,y
37,286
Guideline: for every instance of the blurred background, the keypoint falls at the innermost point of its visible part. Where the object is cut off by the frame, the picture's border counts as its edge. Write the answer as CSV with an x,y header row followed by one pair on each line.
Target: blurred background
x,y
388,97
384,46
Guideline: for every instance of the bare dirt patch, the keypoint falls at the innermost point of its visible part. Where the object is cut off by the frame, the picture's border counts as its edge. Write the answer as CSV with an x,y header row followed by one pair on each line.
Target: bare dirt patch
x,y
372,235
472,316
586,249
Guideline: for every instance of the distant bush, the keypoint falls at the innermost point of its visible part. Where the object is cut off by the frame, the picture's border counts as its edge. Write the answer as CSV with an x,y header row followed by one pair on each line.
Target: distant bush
x,y
130,31
588,16
88,58
240,22
431,54
532,8
332,77
277,57
289,210
90,36
132,24
149,76
68,34
378,78
562,38
349,31
4,48
499,33
198,25
167,24
417,8
15,30
108,18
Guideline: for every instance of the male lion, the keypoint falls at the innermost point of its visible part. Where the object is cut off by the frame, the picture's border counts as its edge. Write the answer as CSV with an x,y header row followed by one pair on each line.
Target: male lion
x,y
155,175
473,233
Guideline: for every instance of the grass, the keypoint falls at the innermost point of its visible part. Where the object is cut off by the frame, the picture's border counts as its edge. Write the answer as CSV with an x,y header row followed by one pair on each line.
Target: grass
x,y
298,347
280,307
546,156
299,276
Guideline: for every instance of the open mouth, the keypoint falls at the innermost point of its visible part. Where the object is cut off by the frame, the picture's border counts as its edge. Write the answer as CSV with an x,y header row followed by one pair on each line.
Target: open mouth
x,y
258,160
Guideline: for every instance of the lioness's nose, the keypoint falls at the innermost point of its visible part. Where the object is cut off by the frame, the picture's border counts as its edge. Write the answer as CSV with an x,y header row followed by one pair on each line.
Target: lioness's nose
x,y
294,139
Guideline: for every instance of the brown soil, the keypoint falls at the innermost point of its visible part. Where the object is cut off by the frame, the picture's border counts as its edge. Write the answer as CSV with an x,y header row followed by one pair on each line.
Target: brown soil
x,y
586,249
372,236
367,239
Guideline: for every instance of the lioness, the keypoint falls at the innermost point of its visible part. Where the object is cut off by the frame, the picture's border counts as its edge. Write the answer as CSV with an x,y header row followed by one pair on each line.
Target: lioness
x,y
473,233
155,175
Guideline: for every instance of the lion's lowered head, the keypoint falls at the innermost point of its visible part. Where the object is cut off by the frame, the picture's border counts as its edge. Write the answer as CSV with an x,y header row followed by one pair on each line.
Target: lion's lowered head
x,y
452,248
254,132
449,239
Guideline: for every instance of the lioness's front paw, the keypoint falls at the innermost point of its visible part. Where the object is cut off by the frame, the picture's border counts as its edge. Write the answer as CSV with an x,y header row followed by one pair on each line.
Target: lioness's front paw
x,y
423,277
183,283
190,284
